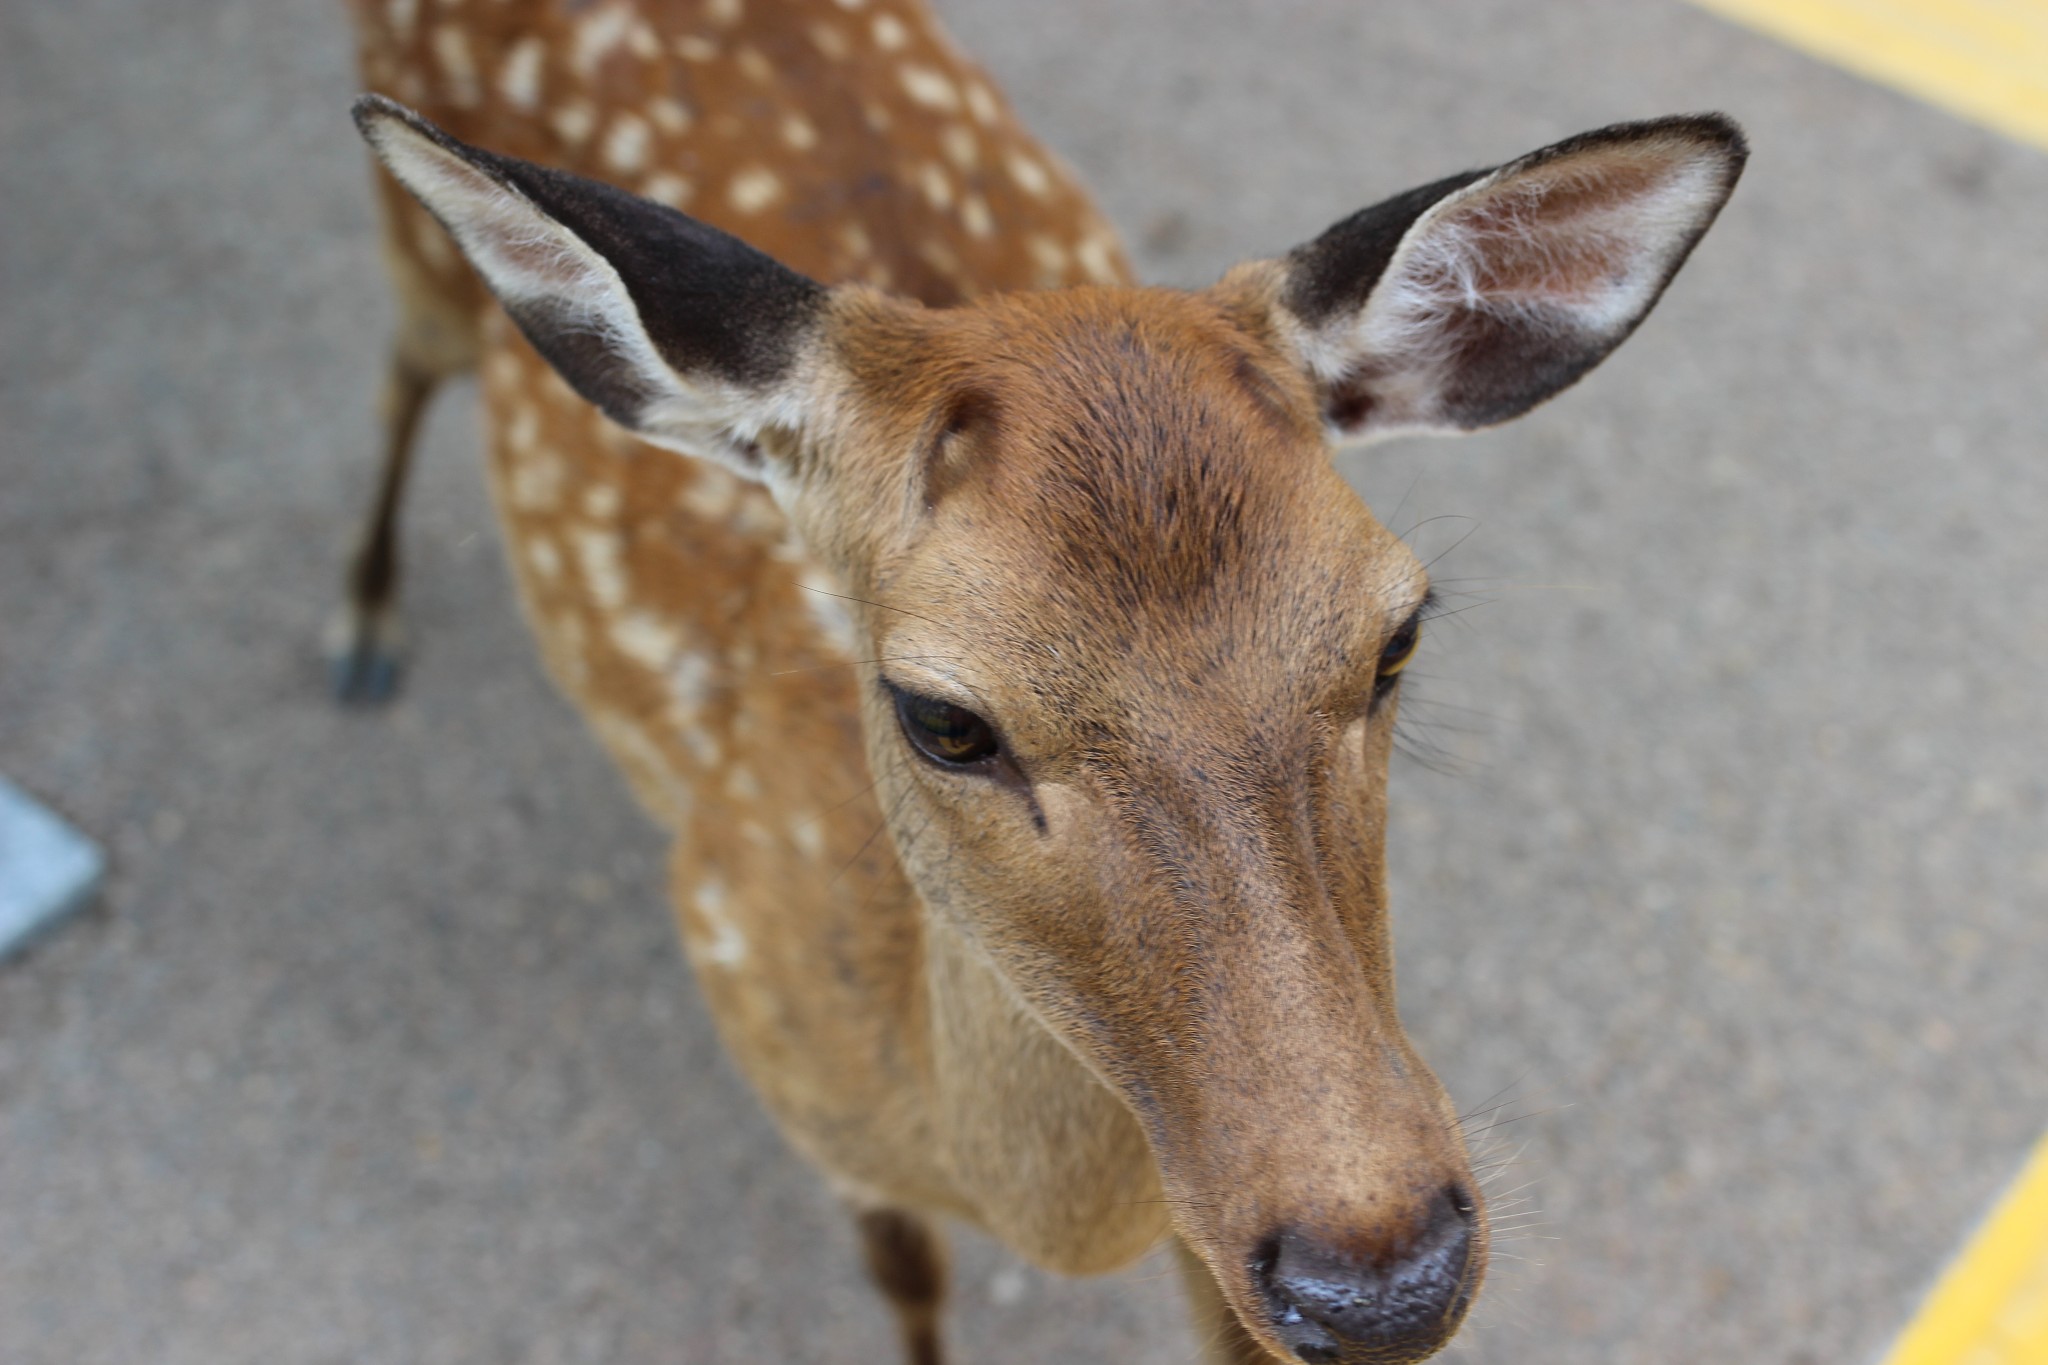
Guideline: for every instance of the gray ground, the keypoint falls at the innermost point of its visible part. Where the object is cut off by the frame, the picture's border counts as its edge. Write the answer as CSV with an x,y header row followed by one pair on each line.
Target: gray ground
x,y
378,1049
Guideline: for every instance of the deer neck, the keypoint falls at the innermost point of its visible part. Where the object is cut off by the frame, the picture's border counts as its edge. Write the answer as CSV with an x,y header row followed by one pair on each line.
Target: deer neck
x,y
1056,1163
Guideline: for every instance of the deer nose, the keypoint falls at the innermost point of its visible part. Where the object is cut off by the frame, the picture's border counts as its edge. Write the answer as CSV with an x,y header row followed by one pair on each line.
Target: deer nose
x,y
1329,1307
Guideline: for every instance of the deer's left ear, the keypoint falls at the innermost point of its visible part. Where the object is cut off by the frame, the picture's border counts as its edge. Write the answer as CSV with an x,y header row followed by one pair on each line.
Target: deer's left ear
x,y
1469,301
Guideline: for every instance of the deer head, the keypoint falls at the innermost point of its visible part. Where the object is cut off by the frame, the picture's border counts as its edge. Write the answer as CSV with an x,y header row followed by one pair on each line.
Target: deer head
x,y
1137,647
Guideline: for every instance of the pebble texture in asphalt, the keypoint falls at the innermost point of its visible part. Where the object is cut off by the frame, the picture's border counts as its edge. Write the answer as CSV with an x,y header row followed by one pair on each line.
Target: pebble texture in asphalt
x,y
377,1049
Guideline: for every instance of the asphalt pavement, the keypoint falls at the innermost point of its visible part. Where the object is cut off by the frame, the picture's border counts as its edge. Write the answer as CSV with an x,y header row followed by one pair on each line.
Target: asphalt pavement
x,y
1721,861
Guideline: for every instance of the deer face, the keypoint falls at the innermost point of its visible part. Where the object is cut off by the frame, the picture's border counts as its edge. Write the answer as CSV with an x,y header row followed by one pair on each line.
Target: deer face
x,y
1139,652
1136,646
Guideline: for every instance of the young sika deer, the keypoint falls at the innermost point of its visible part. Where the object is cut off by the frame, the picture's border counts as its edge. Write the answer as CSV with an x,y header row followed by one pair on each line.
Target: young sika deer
x,y
845,531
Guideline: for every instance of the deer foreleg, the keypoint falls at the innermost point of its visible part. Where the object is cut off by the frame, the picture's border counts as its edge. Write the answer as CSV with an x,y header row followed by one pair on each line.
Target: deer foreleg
x,y
907,1259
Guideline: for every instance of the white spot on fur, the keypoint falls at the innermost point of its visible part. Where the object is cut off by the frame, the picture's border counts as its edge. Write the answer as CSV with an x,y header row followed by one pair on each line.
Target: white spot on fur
x,y
808,837
519,77
854,238
960,146
741,784
645,639
668,189
1047,254
695,49
928,87
754,189
754,66
724,13
829,41
670,115
575,121
723,944
601,501
756,513
523,430
625,146
876,117
537,481
798,133
598,36
940,257
451,53
1099,260
543,557
981,102
976,218
889,32
712,493
938,190
1029,176
501,372
401,14
689,681
604,573
702,746
641,40
853,4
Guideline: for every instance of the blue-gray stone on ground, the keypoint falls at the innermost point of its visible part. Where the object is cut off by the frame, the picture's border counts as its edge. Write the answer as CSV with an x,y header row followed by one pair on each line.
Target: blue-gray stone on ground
x,y
47,868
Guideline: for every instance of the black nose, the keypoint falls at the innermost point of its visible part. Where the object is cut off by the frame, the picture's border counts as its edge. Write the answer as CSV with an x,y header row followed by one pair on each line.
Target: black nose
x,y
1329,1307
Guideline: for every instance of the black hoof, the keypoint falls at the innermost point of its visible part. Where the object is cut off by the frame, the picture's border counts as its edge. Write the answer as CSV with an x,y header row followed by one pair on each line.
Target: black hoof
x,y
364,659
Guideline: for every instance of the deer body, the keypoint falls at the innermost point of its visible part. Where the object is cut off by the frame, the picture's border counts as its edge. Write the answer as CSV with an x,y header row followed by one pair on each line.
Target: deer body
x,y
1012,672
673,603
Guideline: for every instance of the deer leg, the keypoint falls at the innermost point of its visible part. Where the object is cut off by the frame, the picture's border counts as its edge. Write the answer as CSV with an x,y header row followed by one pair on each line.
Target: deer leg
x,y
363,644
1223,1338
907,1261
439,304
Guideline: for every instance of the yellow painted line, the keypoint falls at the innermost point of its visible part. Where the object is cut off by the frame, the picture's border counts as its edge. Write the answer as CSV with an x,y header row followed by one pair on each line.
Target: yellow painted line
x,y
1991,1306
1983,59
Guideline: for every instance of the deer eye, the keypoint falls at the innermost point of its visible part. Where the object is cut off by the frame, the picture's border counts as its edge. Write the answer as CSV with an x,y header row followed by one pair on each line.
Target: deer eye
x,y
943,732
1395,656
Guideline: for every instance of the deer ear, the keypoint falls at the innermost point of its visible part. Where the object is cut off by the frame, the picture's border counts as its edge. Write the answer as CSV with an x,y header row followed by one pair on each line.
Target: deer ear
x,y
680,333
1469,301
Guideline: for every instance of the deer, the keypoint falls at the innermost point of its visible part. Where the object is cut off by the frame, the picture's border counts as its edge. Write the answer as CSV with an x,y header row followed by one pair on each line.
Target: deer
x,y
993,637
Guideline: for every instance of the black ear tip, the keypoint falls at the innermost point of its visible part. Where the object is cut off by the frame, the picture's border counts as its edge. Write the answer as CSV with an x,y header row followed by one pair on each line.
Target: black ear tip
x,y
1716,128
1714,134
1712,137
376,113
369,110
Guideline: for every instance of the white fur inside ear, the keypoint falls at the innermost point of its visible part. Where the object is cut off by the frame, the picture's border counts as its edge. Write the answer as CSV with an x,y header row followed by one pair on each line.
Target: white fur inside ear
x,y
1577,248
531,262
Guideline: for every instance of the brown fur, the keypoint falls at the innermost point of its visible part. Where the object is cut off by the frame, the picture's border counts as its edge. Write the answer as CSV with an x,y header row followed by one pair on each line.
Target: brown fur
x,y
1131,977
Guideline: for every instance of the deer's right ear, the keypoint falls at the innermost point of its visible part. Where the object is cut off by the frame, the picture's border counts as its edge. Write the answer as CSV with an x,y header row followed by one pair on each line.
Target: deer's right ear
x,y
682,334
